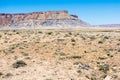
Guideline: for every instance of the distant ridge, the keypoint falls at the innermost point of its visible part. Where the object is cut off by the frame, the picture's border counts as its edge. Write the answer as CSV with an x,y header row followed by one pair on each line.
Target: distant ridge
x,y
41,19
108,25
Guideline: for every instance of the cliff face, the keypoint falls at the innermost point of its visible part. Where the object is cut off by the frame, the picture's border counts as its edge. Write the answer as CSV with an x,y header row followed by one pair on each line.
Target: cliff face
x,y
36,19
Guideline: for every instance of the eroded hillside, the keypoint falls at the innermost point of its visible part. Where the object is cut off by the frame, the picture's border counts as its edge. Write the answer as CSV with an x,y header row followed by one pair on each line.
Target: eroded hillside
x,y
40,19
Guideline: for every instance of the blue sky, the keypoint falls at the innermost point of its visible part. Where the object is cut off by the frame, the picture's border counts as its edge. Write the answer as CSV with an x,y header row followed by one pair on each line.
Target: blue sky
x,y
92,11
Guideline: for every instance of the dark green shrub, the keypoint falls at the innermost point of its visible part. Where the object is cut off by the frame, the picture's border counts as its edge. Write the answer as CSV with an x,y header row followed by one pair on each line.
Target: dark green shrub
x,y
14,30
73,44
102,58
76,57
49,33
92,38
118,44
119,50
8,75
1,73
104,68
106,37
18,64
17,32
72,40
83,38
70,33
100,42
0,36
40,32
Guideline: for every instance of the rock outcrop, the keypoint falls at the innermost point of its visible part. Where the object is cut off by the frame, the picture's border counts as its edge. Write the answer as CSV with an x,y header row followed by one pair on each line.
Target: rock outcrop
x,y
39,19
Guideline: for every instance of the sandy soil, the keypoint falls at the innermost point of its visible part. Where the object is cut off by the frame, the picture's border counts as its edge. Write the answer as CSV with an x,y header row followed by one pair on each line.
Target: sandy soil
x,y
60,54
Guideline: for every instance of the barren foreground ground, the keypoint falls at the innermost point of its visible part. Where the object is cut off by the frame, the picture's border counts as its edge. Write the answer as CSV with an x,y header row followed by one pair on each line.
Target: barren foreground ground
x,y
60,55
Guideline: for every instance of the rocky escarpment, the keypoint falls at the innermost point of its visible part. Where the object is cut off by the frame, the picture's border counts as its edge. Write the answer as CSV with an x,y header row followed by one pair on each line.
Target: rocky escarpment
x,y
39,19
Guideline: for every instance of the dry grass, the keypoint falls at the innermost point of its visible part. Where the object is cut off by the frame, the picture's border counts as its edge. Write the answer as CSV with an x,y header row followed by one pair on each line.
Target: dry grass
x,y
60,54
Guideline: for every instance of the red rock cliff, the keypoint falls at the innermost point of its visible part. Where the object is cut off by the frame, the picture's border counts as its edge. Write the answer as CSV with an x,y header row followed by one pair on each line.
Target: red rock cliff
x,y
37,18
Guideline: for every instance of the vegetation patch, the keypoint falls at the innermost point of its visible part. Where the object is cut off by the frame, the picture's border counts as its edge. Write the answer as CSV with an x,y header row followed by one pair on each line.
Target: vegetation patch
x,y
72,40
8,75
18,64
92,37
1,73
100,42
119,50
102,58
49,33
0,35
76,57
104,68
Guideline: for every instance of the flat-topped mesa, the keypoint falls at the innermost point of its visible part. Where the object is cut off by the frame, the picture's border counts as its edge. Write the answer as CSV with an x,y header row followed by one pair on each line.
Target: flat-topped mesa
x,y
38,19
49,15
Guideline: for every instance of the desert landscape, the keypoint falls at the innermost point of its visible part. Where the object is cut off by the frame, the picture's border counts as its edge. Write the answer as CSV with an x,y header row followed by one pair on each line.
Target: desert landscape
x,y
60,54
59,39
56,45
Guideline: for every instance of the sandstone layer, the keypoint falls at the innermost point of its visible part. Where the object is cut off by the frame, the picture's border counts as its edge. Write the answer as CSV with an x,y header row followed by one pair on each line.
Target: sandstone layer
x,y
38,19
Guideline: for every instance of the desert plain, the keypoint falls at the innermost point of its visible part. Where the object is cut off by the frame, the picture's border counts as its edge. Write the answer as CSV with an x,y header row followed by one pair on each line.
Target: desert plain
x,y
60,54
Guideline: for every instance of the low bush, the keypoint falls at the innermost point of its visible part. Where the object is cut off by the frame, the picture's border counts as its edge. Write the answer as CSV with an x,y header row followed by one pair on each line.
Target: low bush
x,y
1,73
18,64
104,68
76,57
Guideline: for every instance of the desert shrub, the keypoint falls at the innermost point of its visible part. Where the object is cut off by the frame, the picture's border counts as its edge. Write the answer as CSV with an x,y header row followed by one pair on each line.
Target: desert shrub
x,y
5,41
9,50
104,68
17,32
25,41
83,38
92,78
111,56
85,51
13,47
72,40
21,47
49,33
102,58
60,53
73,44
70,33
118,39
0,35
76,57
100,42
24,54
48,79
118,44
108,54
60,39
40,32
119,50
79,71
106,37
66,35
82,65
92,38
18,64
106,51
14,30
98,62
1,73
8,75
